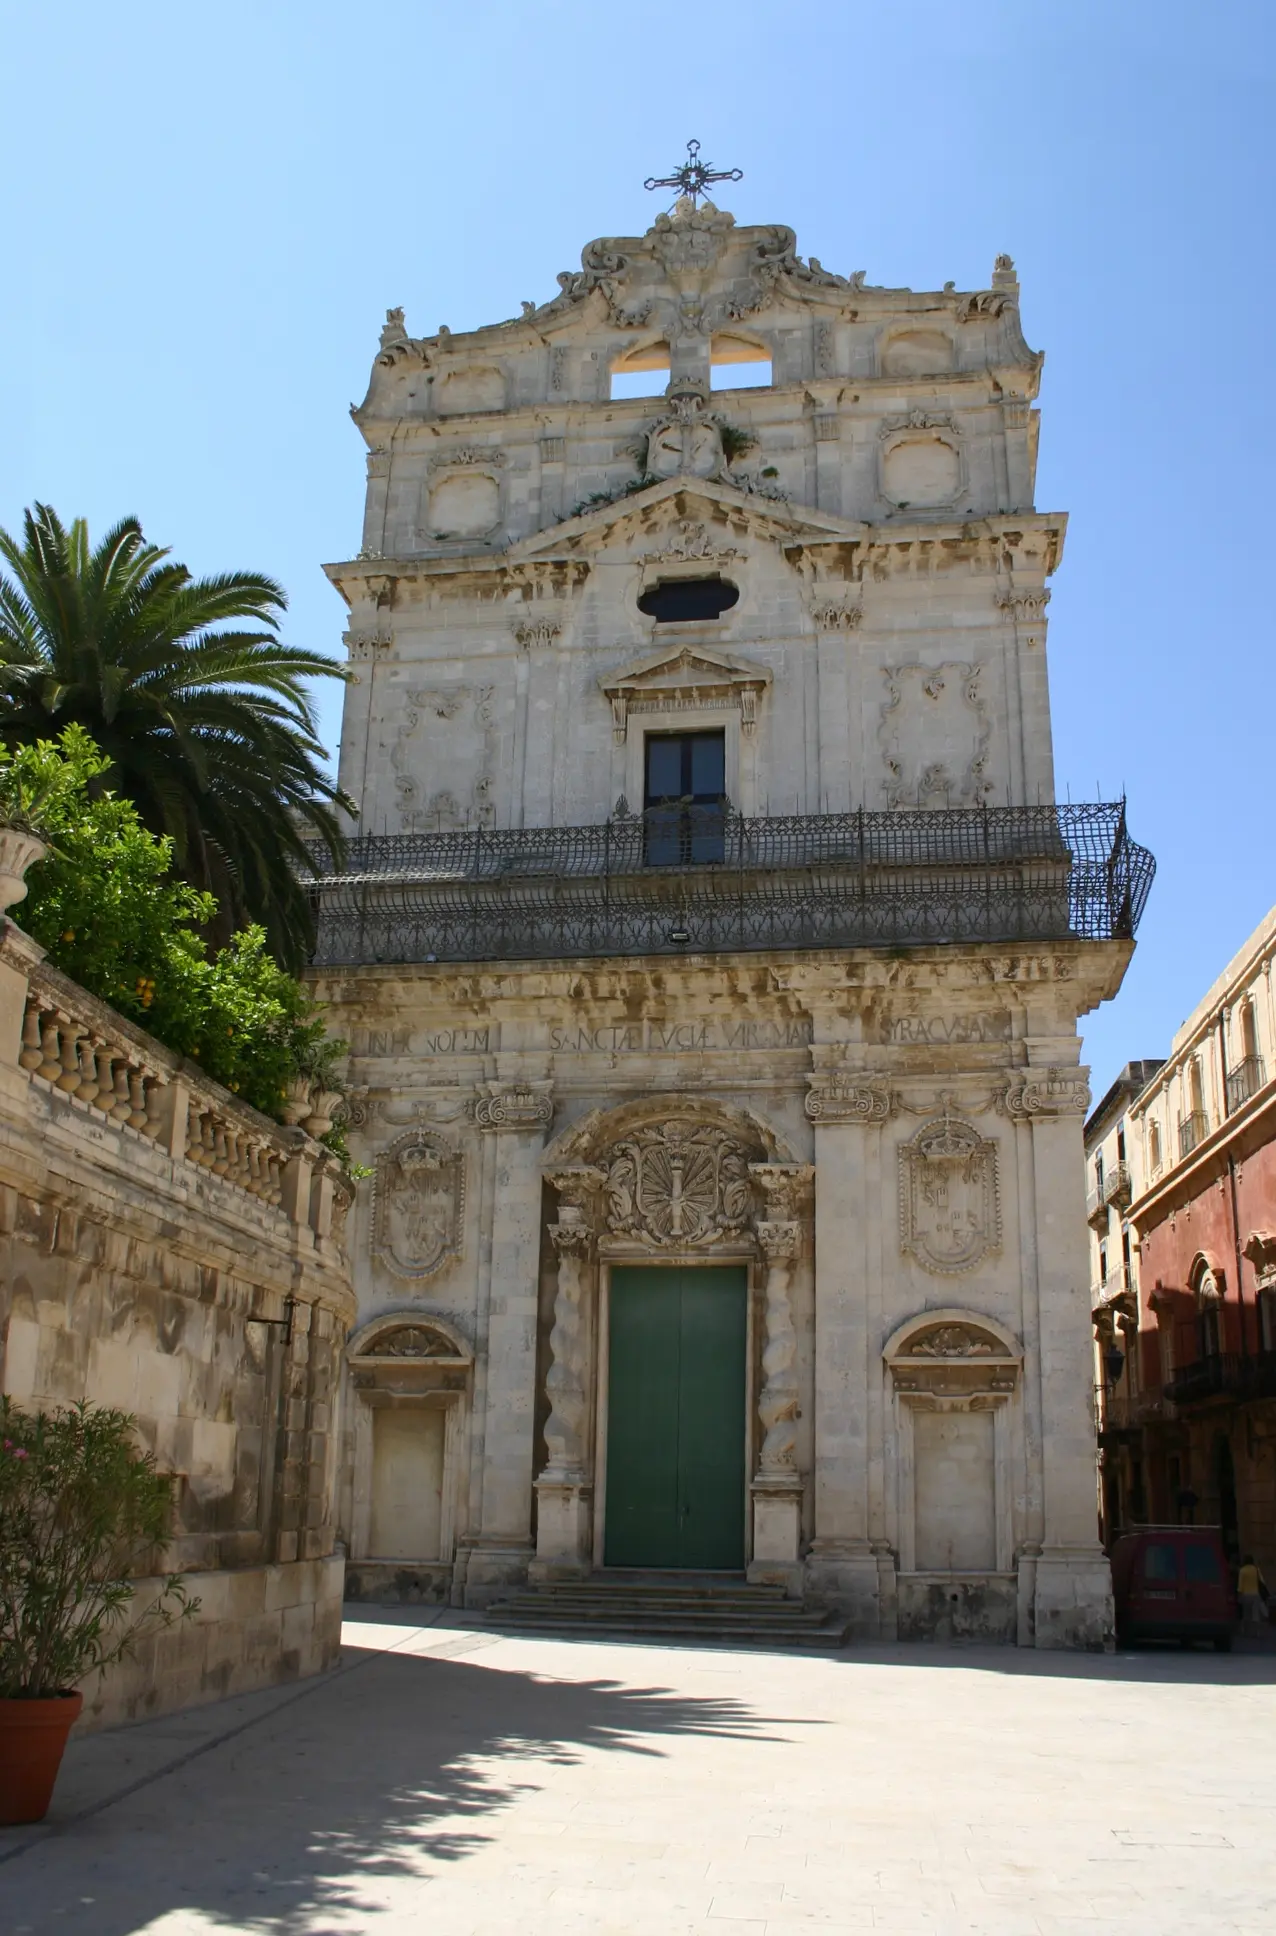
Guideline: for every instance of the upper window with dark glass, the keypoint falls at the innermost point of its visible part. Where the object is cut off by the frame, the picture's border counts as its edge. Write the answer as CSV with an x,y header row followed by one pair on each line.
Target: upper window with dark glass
x,y
685,798
675,600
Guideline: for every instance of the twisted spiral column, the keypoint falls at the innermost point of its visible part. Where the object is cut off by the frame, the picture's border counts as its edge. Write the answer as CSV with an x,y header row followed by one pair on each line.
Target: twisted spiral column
x,y
778,1401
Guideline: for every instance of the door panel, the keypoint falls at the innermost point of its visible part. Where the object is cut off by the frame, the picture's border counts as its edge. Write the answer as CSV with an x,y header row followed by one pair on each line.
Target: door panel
x,y
675,1436
407,1484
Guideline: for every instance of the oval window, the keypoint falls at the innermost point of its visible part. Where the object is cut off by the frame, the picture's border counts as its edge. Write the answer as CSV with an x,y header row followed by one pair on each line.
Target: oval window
x,y
676,600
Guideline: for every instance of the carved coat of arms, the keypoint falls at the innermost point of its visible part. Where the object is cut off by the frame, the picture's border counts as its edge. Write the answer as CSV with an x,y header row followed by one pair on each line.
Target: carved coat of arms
x,y
678,1185
419,1206
949,1214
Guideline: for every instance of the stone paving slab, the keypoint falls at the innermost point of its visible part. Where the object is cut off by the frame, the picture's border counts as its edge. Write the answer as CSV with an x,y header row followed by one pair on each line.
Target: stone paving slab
x,y
474,1784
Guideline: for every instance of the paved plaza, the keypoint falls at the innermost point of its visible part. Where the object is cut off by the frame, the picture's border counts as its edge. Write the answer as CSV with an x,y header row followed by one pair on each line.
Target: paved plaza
x,y
455,1781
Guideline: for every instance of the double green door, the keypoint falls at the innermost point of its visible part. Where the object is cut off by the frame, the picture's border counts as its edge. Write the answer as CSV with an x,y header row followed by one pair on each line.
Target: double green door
x,y
675,1417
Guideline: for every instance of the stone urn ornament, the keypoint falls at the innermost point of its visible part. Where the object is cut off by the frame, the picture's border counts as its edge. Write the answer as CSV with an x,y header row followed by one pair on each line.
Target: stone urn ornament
x,y
19,849
324,1104
296,1105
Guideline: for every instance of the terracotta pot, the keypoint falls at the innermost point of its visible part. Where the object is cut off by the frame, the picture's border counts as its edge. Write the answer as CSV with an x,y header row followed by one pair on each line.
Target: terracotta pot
x,y
32,1742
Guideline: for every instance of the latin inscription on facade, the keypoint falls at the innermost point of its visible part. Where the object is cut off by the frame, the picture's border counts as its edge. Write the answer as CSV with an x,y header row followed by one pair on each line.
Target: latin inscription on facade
x,y
679,1038
930,1030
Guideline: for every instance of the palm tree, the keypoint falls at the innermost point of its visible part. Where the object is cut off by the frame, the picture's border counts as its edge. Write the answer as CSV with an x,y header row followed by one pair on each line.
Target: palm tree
x,y
209,730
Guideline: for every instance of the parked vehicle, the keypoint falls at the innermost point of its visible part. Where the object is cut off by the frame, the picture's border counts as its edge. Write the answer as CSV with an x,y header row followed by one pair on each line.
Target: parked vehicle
x,y
1173,1583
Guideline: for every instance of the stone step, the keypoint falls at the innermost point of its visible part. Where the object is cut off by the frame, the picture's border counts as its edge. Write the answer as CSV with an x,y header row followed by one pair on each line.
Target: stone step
x,y
656,1608
822,1633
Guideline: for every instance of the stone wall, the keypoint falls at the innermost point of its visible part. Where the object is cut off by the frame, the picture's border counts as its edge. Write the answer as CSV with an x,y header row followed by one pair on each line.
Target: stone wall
x,y
167,1250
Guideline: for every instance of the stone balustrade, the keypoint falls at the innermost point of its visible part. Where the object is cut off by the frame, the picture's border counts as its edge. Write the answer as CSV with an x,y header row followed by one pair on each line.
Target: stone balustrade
x,y
83,1049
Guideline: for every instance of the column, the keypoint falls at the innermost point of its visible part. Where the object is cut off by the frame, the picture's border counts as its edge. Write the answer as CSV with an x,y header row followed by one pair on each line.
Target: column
x,y
564,1491
777,1484
516,1114
848,1110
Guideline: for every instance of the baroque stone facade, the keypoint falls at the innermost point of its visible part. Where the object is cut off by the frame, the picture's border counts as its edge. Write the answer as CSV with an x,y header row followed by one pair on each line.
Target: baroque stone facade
x,y
836,584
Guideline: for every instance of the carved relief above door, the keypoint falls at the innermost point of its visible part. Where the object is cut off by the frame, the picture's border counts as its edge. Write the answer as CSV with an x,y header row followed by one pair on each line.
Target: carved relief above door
x,y
678,1185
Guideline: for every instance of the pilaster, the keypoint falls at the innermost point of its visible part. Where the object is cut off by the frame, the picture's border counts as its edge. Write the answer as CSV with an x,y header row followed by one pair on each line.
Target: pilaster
x,y
564,1490
517,1114
777,1485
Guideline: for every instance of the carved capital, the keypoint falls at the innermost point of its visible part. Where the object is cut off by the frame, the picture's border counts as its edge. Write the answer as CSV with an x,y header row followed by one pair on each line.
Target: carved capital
x,y
571,1239
1048,1092
837,615
514,1105
834,1098
782,1185
537,632
781,1243
576,1183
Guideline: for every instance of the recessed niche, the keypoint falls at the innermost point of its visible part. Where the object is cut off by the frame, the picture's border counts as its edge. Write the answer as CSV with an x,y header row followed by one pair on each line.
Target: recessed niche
x,y
917,352
464,391
465,506
924,471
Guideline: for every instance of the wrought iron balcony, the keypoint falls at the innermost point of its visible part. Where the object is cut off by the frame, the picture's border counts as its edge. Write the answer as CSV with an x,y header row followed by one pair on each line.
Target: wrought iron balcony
x,y
1096,1207
1225,1374
1116,1185
1193,1130
628,886
1244,1081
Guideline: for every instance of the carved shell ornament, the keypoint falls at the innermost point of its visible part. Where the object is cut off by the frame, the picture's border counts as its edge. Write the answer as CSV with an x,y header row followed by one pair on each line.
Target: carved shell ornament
x,y
678,1184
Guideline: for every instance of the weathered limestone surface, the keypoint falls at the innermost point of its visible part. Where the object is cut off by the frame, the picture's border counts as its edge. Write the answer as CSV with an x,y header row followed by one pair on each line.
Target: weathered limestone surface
x,y
917,1437
166,1250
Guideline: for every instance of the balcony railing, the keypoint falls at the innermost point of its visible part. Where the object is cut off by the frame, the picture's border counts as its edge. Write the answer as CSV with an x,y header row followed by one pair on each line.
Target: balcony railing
x,y
1116,1184
1193,1129
1009,874
1225,1374
1244,1081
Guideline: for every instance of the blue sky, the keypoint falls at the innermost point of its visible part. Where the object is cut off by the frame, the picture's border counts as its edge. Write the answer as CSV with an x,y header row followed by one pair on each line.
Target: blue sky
x,y
208,210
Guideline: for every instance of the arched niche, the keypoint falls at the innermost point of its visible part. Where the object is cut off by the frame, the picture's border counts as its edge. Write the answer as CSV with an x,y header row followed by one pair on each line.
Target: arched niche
x,y
917,352
411,1375
954,1375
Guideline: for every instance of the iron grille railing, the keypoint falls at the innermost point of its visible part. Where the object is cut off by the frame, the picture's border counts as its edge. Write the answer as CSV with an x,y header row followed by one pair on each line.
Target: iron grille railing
x,y
1116,1184
1244,1081
798,881
1193,1129
1224,1374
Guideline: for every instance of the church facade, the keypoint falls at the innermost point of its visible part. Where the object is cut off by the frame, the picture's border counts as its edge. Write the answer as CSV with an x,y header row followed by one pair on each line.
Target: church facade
x,y
711,953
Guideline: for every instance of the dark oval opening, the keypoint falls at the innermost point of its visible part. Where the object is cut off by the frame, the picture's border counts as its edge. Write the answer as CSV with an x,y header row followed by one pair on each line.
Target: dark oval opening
x,y
679,599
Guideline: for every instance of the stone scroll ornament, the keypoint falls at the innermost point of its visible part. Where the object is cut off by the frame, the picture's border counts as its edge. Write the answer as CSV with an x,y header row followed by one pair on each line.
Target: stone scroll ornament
x,y
834,1097
1047,1092
514,1105
678,1185
949,1211
418,1211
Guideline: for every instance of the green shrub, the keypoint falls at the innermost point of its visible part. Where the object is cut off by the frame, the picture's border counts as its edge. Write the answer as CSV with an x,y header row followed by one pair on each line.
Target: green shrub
x,y
107,910
81,1512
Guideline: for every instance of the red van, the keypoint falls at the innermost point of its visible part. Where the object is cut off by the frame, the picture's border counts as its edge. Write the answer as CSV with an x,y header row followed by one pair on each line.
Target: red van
x,y
1173,1583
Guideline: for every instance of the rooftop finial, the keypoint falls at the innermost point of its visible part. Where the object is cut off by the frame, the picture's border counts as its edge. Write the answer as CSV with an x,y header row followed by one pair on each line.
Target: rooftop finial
x,y
694,175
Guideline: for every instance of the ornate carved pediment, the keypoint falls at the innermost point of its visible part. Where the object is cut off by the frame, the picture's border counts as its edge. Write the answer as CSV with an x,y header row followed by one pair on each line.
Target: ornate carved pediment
x,y
641,517
949,1210
1260,1248
418,1207
953,1360
682,678
678,1185
411,1341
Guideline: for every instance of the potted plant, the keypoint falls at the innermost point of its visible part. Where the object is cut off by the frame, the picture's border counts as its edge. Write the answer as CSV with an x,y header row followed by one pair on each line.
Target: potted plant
x,y
82,1511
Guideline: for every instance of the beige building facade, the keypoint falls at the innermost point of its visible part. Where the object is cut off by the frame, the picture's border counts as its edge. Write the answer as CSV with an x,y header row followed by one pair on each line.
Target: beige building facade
x,y
711,953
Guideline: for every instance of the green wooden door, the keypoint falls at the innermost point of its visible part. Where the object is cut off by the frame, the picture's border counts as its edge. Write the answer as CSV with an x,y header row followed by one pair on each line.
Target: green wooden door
x,y
675,1417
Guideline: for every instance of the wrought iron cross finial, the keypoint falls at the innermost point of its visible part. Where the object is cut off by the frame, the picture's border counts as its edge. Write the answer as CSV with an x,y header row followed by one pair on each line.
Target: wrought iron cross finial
x,y
692,178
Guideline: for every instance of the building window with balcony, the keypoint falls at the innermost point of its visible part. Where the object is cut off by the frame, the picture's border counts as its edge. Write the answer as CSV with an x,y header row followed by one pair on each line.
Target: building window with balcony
x,y
685,798
1249,1074
1154,1148
1194,1126
1207,1283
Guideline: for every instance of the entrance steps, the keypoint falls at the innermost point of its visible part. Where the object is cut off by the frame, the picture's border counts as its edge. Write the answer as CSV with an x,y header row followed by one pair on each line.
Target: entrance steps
x,y
714,1609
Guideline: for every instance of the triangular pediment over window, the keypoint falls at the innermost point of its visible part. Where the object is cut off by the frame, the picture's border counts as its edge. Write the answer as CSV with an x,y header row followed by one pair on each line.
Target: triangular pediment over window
x,y
681,678
661,507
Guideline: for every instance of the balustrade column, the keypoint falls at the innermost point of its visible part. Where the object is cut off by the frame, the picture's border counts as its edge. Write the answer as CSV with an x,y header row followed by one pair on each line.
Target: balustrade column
x,y
777,1484
564,1490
